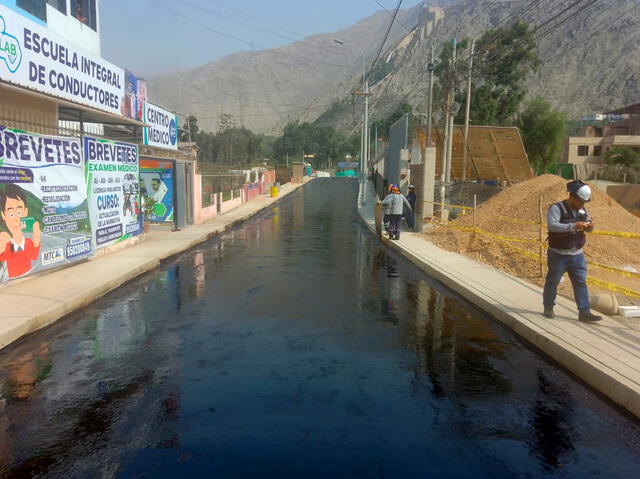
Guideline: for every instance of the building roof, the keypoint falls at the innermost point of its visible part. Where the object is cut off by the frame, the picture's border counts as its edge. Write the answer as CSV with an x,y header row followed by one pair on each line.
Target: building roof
x,y
628,110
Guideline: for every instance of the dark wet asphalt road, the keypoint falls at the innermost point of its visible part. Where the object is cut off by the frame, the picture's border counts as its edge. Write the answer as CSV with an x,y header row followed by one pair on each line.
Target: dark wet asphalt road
x,y
296,346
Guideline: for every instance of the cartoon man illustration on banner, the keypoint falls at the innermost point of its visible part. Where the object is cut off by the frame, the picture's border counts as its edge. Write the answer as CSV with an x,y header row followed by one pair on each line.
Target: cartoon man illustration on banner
x,y
16,250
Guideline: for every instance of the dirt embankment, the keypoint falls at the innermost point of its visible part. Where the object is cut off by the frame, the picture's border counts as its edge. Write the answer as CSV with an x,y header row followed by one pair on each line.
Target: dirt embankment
x,y
520,203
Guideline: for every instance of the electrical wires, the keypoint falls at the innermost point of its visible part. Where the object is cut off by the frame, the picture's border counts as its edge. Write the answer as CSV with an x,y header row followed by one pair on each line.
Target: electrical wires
x,y
386,36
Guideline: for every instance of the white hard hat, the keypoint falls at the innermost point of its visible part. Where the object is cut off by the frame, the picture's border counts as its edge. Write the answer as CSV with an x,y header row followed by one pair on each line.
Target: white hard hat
x,y
584,193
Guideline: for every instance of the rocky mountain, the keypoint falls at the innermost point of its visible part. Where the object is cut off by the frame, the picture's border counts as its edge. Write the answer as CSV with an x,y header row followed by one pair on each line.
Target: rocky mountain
x,y
264,90
590,63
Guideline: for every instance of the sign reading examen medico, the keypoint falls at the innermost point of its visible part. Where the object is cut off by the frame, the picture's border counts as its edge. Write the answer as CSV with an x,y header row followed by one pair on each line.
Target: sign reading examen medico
x,y
34,57
163,129
113,183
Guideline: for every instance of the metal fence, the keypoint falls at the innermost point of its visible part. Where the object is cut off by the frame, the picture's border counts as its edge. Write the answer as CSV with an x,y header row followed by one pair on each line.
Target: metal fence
x,y
229,184
72,129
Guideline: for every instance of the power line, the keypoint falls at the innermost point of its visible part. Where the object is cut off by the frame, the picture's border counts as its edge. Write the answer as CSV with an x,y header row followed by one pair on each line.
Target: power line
x,y
566,19
512,16
279,27
604,24
408,30
246,42
386,36
563,11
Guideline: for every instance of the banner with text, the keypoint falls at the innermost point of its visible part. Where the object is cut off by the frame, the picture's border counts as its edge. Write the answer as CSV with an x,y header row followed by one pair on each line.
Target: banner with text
x,y
114,190
44,217
163,131
34,57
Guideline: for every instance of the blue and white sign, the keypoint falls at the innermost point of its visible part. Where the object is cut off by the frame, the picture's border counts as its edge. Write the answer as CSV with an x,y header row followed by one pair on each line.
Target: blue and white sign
x,y
163,129
36,58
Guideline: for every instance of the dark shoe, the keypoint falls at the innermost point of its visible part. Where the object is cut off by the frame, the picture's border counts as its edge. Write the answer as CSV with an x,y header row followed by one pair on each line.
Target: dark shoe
x,y
548,313
588,317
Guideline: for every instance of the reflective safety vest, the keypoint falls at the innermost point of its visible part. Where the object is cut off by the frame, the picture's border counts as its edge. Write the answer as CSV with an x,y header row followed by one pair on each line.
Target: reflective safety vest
x,y
570,239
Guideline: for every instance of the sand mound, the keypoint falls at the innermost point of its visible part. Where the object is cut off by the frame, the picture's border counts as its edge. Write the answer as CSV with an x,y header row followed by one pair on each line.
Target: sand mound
x,y
520,202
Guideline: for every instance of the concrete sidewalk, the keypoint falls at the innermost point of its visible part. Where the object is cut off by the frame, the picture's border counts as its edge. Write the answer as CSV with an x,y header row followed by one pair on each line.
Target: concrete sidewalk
x,y
605,355
35,303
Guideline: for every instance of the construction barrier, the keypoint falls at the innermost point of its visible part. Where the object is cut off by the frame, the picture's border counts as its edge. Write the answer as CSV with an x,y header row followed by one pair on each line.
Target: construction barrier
x,y
619,234
506,241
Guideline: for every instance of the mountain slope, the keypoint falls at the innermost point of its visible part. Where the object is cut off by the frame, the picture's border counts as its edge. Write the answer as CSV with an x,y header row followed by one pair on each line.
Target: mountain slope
x,y
266,89
590,64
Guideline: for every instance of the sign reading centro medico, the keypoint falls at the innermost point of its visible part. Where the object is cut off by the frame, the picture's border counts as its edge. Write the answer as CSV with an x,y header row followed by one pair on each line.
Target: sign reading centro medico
x,y
34,57
163,129
114,190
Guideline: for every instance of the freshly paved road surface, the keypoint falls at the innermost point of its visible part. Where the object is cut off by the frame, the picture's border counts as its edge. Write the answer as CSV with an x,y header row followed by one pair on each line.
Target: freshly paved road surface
x,y
297,346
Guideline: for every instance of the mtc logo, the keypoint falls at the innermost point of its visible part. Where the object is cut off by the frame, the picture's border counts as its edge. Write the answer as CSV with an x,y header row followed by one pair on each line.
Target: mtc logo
x,y
10,51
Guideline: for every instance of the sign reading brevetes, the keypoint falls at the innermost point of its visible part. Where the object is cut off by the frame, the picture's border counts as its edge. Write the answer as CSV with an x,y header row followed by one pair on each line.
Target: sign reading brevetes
x,y
44,219
163,129
36,58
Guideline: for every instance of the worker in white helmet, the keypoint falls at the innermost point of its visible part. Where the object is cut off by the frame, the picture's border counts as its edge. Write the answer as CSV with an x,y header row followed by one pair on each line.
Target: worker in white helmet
x,y
567,222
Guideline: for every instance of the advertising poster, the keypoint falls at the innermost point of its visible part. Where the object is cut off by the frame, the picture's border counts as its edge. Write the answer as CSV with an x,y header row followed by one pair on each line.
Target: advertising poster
x,y
156,185
135,97
34,57
113,190
163,132
44,217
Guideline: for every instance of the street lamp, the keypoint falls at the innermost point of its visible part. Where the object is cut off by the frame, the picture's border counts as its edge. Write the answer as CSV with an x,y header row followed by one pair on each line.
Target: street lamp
x,y
365,127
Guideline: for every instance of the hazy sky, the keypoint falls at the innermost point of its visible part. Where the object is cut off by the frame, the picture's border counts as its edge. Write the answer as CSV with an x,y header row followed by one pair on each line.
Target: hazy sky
x,y
154,36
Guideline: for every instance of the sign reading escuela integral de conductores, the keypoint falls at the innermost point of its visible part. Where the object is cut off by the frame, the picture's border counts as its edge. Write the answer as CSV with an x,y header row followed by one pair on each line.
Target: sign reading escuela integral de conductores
x,y
34,57
44,218
114,190
163,131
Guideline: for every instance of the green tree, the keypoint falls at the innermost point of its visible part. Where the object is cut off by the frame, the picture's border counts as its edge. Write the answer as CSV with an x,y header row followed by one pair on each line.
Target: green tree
x,y
543,131
327,144
190,124
623,156
504,58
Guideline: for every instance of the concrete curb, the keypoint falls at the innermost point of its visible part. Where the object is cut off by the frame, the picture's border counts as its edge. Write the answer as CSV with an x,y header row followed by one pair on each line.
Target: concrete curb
x,y
35,304
590,366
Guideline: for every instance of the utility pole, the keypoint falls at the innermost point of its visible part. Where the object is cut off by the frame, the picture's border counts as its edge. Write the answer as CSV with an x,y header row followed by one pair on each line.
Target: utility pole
x,y
430,69
443,160
366,131
466,115
447,146
375,145
452,93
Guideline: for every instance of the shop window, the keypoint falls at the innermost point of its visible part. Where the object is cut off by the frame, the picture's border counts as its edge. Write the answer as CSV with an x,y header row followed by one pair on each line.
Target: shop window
x,y
583,150
597,150
85,12
37,8
60,5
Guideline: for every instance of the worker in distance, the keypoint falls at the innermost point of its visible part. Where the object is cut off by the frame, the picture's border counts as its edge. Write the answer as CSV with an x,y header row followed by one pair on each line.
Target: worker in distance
x,y
567,223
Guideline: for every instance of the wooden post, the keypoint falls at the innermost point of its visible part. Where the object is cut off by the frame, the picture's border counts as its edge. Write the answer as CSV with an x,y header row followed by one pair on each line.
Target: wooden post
x,y
378,219
541,236
475,205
